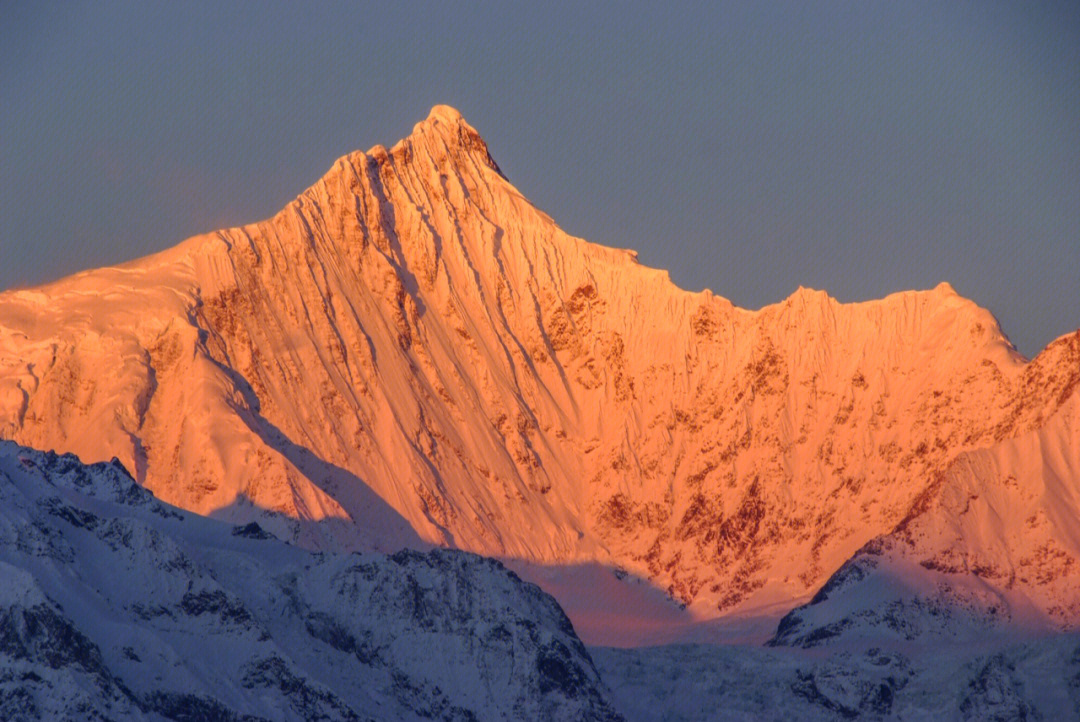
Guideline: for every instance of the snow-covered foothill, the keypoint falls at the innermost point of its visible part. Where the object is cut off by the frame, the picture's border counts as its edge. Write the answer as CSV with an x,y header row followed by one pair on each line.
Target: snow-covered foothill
x,y
114,605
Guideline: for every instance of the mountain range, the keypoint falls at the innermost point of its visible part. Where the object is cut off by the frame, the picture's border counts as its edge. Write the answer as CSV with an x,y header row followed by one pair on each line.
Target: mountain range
x,y
411,355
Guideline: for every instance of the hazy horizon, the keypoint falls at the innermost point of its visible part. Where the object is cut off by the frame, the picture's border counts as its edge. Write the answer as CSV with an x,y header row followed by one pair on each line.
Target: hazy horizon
x,y
859,149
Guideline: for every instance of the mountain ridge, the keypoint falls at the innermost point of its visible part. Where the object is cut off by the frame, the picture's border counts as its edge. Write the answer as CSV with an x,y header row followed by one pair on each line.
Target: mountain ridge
x,y
412,350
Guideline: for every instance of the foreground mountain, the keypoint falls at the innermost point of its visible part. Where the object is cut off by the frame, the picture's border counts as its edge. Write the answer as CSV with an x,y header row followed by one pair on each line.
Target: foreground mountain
x,y
114,605
411,354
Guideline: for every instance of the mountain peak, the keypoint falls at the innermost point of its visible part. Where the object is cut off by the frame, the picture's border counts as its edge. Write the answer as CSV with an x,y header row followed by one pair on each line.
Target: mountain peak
x,y
412,353
445,127
445,112
443,120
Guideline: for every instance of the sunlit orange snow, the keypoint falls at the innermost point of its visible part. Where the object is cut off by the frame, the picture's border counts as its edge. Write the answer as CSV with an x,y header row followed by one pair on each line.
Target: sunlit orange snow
x,y
414,352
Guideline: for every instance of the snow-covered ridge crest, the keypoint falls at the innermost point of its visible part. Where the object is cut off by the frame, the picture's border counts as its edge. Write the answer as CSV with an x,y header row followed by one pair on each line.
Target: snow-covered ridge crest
x,y
410,353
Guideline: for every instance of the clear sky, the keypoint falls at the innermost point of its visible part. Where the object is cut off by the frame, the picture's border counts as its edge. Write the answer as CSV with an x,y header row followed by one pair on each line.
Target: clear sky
x,y
750,148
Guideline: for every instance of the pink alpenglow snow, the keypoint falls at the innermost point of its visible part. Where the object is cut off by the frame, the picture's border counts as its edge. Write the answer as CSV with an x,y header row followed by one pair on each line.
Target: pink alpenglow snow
x,y
411,354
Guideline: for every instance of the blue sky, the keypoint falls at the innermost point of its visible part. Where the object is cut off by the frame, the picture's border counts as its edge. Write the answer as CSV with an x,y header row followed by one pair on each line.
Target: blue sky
x,y
750,148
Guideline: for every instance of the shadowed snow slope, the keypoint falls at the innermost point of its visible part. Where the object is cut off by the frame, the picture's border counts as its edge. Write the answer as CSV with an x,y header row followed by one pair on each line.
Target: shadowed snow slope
x,y
116,606
412,351
1021,680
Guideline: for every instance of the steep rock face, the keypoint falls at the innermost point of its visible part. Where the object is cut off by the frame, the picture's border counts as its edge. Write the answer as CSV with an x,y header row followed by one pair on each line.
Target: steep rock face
x,y
991,545
114,605
411,353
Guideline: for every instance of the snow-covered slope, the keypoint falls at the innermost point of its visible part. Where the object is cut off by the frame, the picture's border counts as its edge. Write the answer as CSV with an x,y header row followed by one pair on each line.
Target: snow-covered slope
x,y
991,547
1028,680
410,353
114,605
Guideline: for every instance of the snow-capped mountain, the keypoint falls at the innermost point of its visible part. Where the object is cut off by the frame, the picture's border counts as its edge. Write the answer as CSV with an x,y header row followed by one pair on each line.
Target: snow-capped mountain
x,y
410,353
114,605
